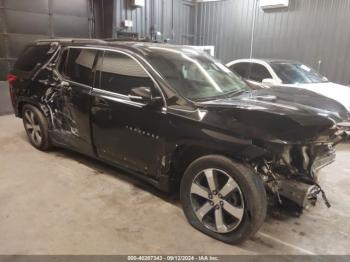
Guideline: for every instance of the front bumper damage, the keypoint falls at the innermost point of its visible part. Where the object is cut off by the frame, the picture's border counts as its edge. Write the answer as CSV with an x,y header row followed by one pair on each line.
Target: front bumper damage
x,y
291,172
300,193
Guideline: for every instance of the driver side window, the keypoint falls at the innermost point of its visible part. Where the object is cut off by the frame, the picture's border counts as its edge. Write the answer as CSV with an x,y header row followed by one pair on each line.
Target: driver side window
x,y
258,73
120,73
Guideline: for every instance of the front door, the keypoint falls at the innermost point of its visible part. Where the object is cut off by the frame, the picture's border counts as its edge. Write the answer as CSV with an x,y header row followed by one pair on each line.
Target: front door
x,y
125,132
71,104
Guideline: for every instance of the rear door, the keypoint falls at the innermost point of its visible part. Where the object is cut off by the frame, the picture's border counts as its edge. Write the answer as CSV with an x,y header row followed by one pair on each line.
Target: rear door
x,y
127,133
70,107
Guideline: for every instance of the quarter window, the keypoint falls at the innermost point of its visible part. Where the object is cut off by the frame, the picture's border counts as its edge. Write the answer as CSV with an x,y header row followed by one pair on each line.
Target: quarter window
x,y
119,74
76,65
258,73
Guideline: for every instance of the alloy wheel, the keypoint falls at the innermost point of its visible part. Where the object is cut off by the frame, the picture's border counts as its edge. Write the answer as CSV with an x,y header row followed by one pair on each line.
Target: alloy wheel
x,y
217,200
32,127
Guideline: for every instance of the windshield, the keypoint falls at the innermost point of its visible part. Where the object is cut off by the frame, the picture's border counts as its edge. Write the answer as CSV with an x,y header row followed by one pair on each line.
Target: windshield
x,y
195,75
297,73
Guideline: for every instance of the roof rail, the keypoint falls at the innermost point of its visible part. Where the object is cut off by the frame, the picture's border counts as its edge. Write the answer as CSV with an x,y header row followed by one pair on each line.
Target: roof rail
x,y
131,39
71,40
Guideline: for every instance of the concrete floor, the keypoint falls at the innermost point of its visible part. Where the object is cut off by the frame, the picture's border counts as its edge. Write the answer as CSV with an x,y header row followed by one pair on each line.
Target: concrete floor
x,y
64,203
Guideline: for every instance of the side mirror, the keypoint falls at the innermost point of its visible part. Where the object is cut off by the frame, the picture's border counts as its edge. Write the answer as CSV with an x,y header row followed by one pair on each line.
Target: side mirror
x,y
325,79
268,82
143,94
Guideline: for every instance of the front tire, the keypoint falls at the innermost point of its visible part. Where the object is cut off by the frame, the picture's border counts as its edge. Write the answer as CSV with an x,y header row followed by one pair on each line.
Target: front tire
x,y
223,199
36,127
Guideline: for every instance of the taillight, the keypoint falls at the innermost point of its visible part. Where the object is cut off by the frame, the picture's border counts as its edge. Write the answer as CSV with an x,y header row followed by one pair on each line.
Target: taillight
x,y
11,78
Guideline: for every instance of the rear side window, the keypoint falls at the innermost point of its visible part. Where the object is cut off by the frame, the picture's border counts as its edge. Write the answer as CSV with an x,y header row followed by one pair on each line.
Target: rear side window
x,y
119,74
76,65
258,73
241,69
33,56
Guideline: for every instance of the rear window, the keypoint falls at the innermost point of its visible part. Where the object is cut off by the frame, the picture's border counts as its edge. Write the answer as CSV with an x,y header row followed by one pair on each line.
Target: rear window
x,y
31,57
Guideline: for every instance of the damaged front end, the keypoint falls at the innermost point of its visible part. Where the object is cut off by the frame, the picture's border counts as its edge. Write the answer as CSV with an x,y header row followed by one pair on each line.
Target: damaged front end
x,y
297,139
290,171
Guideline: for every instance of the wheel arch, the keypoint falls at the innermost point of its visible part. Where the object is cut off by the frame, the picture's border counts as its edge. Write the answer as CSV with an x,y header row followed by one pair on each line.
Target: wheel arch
x,y
185,154
20,104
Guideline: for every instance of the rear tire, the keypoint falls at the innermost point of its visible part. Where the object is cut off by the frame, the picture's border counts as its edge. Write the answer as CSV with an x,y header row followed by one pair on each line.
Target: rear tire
x,y
223,199
36,126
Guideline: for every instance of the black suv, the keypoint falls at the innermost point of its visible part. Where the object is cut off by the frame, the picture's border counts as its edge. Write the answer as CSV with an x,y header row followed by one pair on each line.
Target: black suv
x,y
179,119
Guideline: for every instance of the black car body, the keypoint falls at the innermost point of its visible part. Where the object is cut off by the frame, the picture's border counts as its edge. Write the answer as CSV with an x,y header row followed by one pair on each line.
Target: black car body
x,y
124,103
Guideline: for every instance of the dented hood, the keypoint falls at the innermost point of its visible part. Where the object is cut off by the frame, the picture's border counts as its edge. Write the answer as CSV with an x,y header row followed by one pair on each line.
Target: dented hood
x,y
280,113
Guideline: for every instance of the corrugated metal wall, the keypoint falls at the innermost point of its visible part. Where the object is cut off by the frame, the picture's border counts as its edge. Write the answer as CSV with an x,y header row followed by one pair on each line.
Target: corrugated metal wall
x,y
226,25
23,21
170,17
308,31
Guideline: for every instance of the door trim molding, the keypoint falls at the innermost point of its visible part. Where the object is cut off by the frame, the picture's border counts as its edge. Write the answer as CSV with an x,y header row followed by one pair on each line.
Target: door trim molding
x,y
115,97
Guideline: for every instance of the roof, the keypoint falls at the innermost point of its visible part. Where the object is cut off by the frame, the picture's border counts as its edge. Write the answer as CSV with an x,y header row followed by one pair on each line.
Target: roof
x,y
140,46
271,60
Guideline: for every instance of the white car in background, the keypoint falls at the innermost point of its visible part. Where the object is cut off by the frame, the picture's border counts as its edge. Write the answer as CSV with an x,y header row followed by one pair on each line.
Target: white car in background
x,y
264,73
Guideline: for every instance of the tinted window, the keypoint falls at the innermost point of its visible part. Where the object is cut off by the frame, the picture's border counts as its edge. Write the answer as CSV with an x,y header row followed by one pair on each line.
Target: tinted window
x,y
32,56
78,66
195,75
119,73
241,69
296,73
258,73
